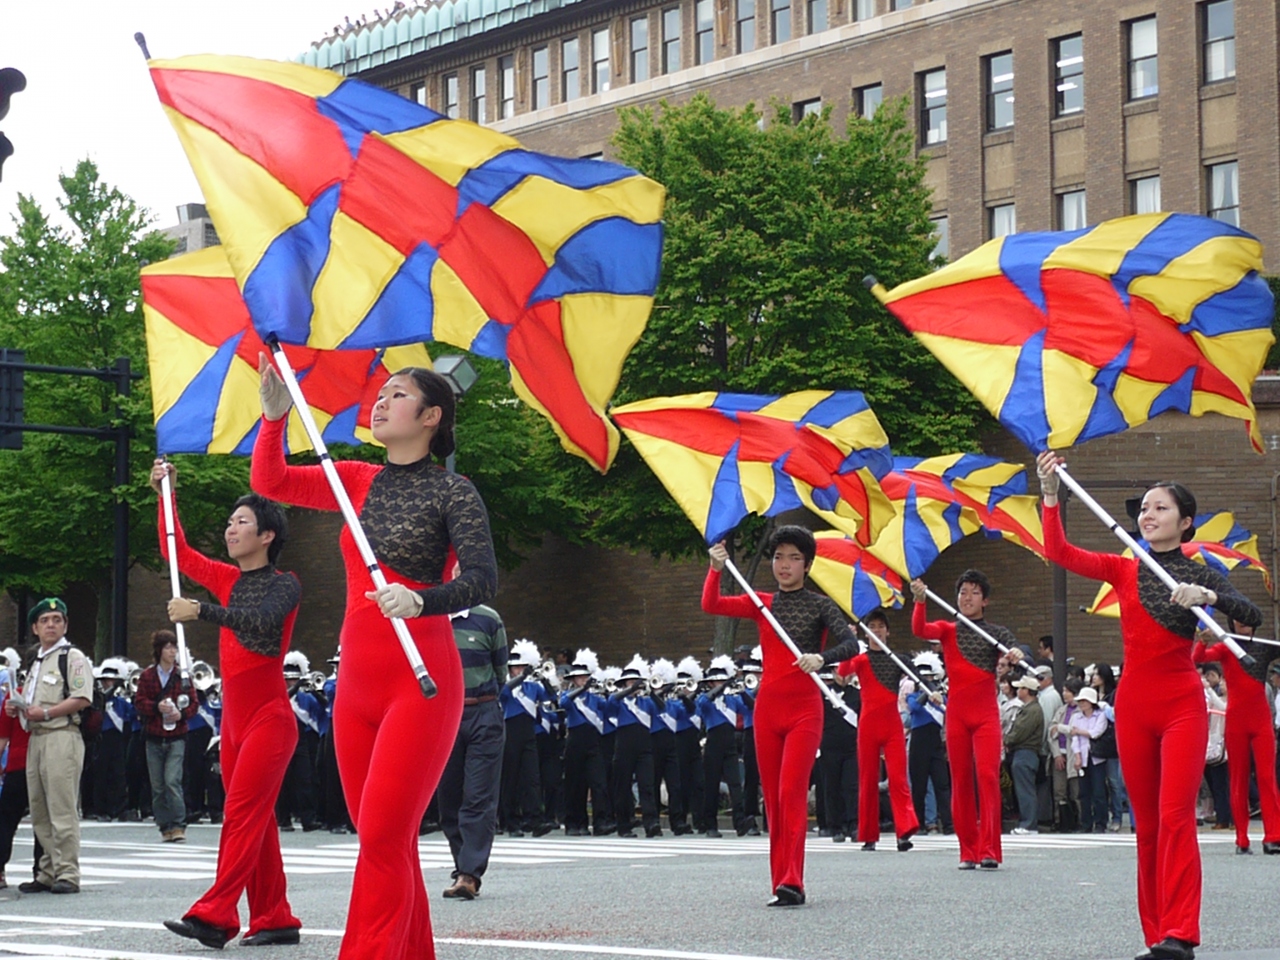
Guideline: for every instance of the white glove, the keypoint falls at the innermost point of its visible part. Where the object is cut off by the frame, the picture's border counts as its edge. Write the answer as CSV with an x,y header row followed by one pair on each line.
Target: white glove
x,y
397,600
276,401
1193,595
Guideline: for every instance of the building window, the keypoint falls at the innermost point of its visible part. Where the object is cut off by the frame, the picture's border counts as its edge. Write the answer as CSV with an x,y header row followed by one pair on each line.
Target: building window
x,y
781,20
942,232
806,108
1002,220
451,96
507,86
639,49
746,25
864,9
933,109
704,48
1224,193
671,40
867,100
901,4
1144,195
601,69
1071,210
478,106
418,93
1219,41
541,79
1068,74
570,88
1000,91
592,156
817,16
1144,74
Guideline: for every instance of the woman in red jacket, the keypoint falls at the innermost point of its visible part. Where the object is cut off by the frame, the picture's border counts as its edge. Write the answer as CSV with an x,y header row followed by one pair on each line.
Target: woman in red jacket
x,y
1161,724
413,511
788,712
257,605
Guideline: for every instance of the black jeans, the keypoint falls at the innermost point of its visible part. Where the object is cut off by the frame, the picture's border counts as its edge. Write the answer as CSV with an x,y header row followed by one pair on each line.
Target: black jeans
x,y
521,784
467,796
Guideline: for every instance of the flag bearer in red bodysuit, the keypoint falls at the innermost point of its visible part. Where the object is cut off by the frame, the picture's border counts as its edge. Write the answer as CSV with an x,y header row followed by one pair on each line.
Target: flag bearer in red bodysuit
x,y
788,715
1161,724
256,608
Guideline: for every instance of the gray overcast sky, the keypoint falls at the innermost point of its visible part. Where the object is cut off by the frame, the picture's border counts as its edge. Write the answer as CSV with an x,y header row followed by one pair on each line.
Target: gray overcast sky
x,y
88,92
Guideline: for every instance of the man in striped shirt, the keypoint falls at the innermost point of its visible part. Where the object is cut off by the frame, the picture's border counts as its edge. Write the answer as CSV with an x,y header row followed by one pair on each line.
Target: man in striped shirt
x,y
469,786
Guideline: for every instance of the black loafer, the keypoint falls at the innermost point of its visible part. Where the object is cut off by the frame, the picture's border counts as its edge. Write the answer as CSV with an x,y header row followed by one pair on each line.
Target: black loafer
x,y
753,831
968,865
904,844
786,896
1171,948
33,886
267,938
64,886
990,863
869,846
1244,851
1270,849
194,929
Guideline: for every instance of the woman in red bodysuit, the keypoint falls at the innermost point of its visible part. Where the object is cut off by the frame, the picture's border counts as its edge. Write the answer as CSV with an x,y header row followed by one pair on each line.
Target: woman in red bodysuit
x,y
1250,734
974,737
256,608
788,713
412,511
1161,724
880,731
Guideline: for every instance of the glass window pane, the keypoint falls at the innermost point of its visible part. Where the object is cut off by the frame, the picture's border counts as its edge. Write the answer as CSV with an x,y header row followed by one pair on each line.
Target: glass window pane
x,y
864,9
1224,192
1004,221
705,48
1219,41
639,49
1071,211
1069,75
869,100
479,112
1146,195
1219,20
601,68
541,79
746,23
942,231
671,40
817,15
933,119
570,89
1144,73
451,96
1142,38
781,20
1000,91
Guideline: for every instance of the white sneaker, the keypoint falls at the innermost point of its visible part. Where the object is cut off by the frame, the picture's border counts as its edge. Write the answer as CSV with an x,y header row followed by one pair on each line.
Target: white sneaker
x,y
1023,831
1113,828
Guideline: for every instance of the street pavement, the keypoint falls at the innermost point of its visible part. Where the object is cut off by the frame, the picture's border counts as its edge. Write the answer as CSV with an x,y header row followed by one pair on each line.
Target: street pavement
x,y
687,898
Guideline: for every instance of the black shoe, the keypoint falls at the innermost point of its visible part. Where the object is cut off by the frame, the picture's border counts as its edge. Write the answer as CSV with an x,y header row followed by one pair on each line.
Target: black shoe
x,y
267,938
311,827
838,838
968,865
284,828
603,831
681,829
33,886
574,832
869,846
215,818
1270,849
786,896
1244,850
652,832
515,833
990,863
1145,956
1171,948
714,834
627,834
542,829
753,831
64,886
904,844
194,929
340,829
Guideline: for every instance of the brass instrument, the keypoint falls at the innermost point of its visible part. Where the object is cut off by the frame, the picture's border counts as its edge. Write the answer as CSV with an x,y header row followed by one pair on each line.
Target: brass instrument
x,y
750,681
313,681
131,681
686,688
548,674
203,675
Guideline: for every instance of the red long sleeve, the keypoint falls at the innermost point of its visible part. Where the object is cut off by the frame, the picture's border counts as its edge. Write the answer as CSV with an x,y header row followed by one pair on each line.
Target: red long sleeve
x,y
272,476
714,602
1086,563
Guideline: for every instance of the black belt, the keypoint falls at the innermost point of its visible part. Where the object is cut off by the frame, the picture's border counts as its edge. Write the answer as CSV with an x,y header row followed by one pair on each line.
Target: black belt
x,y
472,701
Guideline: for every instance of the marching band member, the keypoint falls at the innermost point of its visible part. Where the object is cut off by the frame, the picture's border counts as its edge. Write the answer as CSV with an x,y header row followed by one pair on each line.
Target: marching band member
x,y
550,734
298,792
521,697
412,512
666,759
750,670
683,707
635,715
838,761
721,713
1161,724
583,761
110,790
788,708
926,751
256,609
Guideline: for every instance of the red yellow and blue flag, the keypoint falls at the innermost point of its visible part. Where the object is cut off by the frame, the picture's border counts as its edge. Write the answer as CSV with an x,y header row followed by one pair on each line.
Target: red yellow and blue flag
x,y
202,352
1069,336
941,500
852,577
1220,543
356,219
723,456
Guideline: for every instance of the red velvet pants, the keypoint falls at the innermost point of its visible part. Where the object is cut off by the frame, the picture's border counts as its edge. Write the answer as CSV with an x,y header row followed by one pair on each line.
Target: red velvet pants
x,y
973,750
392,746
788,729
1250,735
1162,727
880,731
259,734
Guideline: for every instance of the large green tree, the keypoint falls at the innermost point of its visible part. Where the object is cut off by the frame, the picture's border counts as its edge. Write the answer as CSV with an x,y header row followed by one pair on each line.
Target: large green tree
x,y
770,229
69,296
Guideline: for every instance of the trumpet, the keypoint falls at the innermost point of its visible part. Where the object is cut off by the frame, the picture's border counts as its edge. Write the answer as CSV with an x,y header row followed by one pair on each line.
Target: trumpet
x,y
313,681
203,675
750,681
686,688
131,681
548,674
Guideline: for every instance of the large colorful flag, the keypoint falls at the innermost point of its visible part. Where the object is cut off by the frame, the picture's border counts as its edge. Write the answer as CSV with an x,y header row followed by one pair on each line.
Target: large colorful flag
x,y
725,455
1220,543
852,577
202,352
355,218
1069,336
941,500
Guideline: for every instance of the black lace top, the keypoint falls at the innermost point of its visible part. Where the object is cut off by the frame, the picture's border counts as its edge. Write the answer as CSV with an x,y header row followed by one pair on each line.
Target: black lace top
x,y
260,602
412,513
888,673
1179,620
977,649
805,614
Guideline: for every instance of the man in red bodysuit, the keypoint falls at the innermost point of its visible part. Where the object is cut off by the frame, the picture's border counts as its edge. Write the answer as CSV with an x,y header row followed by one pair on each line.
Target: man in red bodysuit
x,y
973,730
256,611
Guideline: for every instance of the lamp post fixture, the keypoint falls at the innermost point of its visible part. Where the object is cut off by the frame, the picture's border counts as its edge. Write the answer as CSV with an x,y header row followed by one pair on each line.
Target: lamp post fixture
x,y
462,376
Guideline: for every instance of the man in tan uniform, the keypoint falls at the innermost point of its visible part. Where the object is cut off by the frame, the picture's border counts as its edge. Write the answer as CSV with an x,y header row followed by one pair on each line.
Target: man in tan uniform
x,y
59,685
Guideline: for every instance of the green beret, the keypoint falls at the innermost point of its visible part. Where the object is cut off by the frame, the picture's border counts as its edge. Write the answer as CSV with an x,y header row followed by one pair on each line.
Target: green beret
x,y
47,605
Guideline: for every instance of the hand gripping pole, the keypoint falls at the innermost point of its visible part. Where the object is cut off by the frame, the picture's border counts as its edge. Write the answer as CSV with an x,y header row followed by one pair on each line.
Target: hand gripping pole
x,y
1165,577
850,717
410,649
171,539
952,611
